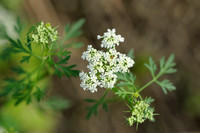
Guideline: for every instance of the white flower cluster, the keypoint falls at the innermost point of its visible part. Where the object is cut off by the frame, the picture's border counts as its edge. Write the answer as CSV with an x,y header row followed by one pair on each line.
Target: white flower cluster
x,y
45,33
103,65
110,39
140,112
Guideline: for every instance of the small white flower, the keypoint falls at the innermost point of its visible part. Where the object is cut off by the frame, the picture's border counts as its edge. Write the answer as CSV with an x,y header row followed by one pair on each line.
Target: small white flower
x,y
103,65
98,37
110,39
140,112
108,80
89,81
45,33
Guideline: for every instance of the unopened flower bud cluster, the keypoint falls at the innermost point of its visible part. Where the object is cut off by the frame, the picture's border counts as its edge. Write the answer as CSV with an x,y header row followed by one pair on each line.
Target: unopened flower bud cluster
x,y
140,112
45,34
103,65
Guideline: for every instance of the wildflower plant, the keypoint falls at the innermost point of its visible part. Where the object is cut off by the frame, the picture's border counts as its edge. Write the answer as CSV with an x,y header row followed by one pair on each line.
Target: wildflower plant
x,y
42,45
110,70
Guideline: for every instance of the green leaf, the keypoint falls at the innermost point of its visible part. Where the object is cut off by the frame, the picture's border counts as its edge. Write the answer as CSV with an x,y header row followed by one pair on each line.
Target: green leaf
x,y
70,72
74,31
58,72
18,70
13,43
28,44
20,44
20,99
63,52
151,66
123,84
6,91
90,100
5,53
39,94
170,61
167,68
120,76
127,79
91,110
3,33
64,60
18,28
162,62
25,59
149,100
32,29
171,70
166,85
105,106
121,92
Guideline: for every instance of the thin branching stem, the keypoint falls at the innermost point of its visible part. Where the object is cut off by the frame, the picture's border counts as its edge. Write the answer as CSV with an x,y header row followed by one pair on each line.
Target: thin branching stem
x,y
150,82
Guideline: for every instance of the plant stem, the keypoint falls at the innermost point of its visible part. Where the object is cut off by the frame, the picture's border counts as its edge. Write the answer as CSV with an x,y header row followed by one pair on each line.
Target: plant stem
x,y
150,82
102,98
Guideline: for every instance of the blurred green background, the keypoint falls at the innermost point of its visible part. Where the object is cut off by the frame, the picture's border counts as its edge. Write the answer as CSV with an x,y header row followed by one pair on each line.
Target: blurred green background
x,y
152,28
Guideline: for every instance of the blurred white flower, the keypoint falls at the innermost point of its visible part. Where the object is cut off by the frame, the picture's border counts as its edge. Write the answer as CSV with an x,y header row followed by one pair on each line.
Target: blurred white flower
x,y
45,33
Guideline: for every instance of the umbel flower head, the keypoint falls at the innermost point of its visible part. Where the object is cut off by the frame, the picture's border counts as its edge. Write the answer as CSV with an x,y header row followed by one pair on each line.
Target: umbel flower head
x,y
140,111
103,65
45,34
110,39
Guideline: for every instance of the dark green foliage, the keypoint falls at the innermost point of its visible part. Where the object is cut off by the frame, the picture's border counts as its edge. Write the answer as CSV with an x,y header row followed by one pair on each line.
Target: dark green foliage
x,y
60,68
3,33
6,52
39,94
14,48
28,44
25,86
18,90
19,27
25,59
96,103
18,70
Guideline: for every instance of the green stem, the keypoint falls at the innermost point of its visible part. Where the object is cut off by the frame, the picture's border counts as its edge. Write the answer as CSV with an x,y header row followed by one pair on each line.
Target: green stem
x,y
150,82
134,87
36,56
39,69
102,98
27,77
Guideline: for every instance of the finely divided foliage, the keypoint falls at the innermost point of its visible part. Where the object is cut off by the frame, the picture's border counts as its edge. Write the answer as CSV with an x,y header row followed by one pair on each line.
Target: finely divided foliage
x,y
110,70
43,44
